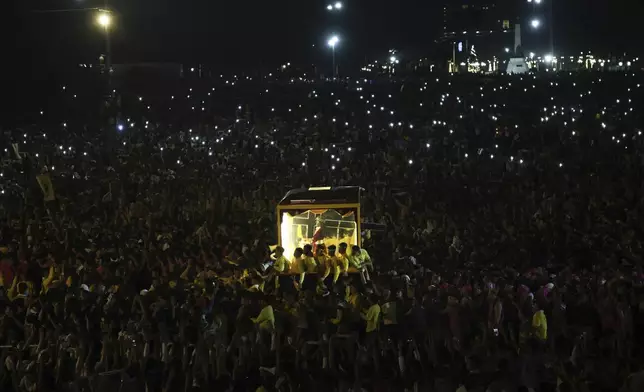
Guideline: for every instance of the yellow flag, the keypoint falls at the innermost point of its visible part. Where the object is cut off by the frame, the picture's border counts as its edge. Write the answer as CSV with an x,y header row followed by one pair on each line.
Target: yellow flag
x,y
47,187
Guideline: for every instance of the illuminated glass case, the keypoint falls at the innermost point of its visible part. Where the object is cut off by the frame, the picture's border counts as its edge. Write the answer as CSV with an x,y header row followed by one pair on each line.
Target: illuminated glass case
x,y
317,216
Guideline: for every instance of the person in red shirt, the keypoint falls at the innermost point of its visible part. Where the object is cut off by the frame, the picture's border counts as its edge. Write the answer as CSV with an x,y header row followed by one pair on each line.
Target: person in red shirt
x,y
318,235
6,270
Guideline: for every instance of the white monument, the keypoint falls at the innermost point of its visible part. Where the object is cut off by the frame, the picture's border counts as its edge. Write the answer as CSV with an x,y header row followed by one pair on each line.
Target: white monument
x,y
517,64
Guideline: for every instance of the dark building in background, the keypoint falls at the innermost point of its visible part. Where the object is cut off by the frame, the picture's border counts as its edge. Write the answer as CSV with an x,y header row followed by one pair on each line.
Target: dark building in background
x,y
474,16
486,25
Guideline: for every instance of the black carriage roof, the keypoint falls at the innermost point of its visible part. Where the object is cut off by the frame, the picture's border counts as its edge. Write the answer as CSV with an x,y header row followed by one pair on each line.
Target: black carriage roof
x,y
323,195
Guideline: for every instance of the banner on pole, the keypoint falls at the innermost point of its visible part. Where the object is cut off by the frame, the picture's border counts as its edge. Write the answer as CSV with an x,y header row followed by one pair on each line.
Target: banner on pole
x,y
47,187
16,150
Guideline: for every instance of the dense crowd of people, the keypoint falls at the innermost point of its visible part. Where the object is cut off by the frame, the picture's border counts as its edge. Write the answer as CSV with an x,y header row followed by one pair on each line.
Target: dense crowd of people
x,y
508,258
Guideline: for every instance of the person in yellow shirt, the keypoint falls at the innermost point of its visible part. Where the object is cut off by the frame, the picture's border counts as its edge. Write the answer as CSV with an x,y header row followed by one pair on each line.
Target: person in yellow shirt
x,y
354,259
351,296
372,319
308,264
372,316
332,264
185,275
297,265
324,262
309,260
51,276
257,285
266,323
14,291
266,318
281,263
342,265
539,324
331,261
359,259
280,266
325,266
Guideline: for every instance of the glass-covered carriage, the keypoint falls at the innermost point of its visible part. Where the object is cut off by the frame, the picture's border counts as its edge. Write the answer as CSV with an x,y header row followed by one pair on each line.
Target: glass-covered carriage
x,y
316,216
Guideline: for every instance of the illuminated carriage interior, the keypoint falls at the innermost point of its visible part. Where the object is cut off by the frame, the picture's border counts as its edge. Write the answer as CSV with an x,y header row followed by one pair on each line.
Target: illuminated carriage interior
x,y
317,216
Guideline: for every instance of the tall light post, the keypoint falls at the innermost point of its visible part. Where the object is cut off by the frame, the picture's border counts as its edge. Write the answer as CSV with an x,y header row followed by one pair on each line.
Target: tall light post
x,y
333,41
551,21
552,27
104,19
393,60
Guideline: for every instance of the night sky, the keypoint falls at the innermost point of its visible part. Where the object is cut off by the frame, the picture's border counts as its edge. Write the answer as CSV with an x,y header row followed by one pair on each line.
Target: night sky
x,y
245,34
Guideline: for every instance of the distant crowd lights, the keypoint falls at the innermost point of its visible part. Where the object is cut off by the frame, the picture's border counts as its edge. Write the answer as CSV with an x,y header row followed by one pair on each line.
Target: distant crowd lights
x,y
546,62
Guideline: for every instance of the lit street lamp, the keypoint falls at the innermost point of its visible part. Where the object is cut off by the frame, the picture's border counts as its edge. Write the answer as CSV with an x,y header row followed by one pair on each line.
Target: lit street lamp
x,y
507,50
337,6
393,60
536,23
333,41
104,19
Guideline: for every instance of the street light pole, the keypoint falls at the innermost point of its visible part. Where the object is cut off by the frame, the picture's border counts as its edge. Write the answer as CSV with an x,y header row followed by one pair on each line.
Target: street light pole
x,y
552,28
332,42
108,50
105,16
105,21
333,55
108,45
536,22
